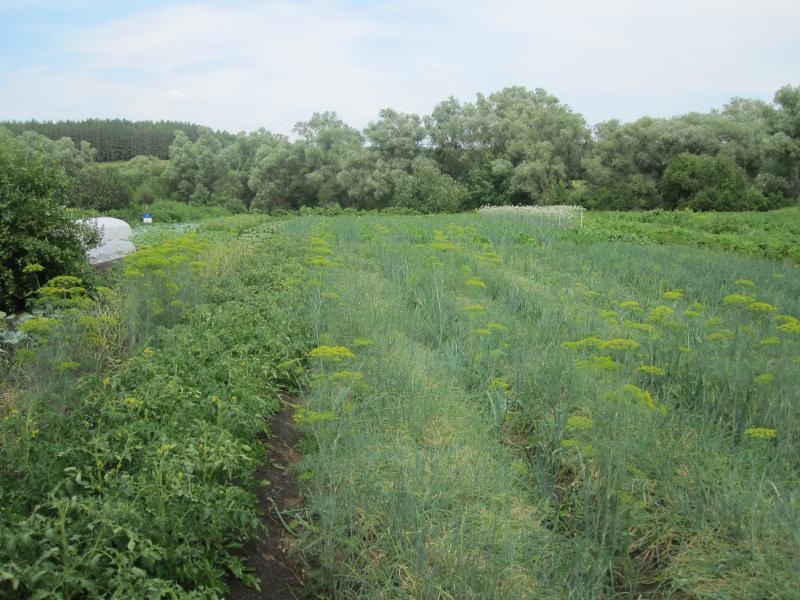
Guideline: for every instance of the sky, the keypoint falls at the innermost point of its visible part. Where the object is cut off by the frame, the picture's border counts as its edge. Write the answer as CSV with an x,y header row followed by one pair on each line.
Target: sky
x,y
242,65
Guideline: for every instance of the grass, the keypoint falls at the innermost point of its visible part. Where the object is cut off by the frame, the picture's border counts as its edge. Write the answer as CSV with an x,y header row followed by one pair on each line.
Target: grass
x,y
538,417
772,234
492,409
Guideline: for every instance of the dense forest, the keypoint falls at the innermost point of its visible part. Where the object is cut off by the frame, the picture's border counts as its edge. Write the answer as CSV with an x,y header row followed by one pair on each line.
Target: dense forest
x,y
515,146
113,139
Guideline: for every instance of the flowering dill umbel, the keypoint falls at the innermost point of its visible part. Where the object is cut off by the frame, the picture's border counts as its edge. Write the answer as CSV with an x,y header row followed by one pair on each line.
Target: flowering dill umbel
x,y
335,353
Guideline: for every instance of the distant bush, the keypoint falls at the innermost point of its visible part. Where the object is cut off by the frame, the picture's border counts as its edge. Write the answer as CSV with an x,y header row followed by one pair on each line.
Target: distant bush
x,y
703,183
38,239
170,211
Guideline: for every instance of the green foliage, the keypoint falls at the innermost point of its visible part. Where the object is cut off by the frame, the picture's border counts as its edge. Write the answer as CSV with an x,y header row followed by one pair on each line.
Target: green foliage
x,y
549,419
702,183
764,234
129,423
34,228
114,139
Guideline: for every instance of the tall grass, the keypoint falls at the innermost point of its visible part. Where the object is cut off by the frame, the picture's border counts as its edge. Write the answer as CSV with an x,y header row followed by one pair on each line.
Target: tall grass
x,y
525,416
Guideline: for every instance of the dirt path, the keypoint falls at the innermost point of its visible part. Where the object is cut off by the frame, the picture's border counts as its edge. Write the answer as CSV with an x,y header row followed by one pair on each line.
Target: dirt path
x,y
281,578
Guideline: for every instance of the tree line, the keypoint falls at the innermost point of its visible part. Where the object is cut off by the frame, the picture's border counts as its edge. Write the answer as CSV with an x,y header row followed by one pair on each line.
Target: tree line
x,y
515,146
112,139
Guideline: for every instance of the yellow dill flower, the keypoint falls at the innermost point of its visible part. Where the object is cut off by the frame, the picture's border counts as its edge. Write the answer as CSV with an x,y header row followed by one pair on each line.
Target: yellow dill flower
x,y
697,306
631,305
319,261
38,325
579,423
476,282
660,313
673,294
646,327
761,433
608,314
499,382
603,363
770,341
790,327
738,299
319,242
650,370
764,378
496,326
348,375
335,353
362,341
569,443
482,331
331,295
691,313
67,365
147,351
620,344
685,349
639,394
443,245
722,334
165,447
306,416
474,307
106,381
745,282
714,322
591,294
761,307
591,342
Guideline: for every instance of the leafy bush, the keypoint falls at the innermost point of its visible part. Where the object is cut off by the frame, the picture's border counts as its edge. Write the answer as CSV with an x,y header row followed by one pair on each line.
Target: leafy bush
x,y
703,183
38,240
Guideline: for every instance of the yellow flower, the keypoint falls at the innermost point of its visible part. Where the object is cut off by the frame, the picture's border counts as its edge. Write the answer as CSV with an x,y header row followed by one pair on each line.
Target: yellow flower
x,y
770,341
608,314
764,378
640,394
745,282
335,353
362,341
474,307
673,294
660,313
474,281
482,331
760,307
761,433
579,423
604,363
500,383
650,370
631,305
738,299
722,334
348,375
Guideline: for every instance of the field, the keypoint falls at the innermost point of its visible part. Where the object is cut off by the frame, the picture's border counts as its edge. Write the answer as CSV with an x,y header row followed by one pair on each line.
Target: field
x,y
497,411
491,408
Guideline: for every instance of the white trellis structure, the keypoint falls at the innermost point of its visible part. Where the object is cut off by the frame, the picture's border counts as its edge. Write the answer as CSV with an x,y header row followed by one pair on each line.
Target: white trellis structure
x,y
560,216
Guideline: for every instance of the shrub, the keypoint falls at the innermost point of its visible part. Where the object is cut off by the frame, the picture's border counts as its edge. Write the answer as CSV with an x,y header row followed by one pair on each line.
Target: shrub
x,y
38,239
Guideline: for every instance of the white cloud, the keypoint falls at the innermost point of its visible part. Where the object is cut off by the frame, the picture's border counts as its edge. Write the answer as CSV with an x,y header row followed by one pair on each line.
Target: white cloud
x,y
271,64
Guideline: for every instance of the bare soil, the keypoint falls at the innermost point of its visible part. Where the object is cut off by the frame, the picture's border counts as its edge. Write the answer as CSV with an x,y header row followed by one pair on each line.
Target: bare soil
x,y
281,578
